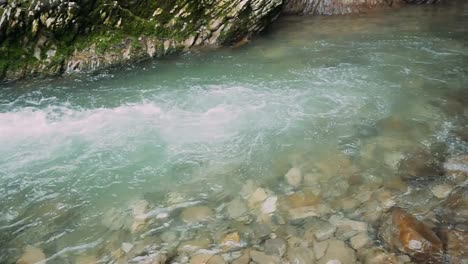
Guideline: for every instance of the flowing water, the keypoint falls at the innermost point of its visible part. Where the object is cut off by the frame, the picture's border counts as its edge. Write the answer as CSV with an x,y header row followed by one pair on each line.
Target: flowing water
x,y
314,93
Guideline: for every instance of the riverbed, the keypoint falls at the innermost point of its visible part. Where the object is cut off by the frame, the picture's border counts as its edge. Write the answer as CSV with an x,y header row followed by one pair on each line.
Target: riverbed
x,y
222,150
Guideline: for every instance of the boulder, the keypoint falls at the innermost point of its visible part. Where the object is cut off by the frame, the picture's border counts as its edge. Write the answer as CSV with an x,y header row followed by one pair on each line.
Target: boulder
x,y
402,231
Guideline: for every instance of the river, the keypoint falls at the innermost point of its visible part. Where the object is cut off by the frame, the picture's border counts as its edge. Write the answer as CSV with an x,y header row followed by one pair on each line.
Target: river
x,y
343,100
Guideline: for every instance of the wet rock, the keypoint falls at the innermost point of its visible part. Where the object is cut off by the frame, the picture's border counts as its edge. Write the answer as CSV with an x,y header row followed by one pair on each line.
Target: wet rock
x,y
231,241
169,236
360,240
377,256
86,260
257,197
294,177
115,219
419,165
402,231
32,255
454,209
269,205
301,255
126,247
302,213
320,249
299,199
216,259
244,259
338,252
319,230
194,245
175,198
139,209
340,222
196,214
442,190
456,168
275,246
200,259
262,258
248,189
237,209
261,231
456,245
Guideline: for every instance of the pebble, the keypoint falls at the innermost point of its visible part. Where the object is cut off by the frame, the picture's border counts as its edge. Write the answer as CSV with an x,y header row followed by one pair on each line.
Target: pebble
x,y
262,258
320,230
196,214
338,251
320,249
248,188
231,241
86,259
269,205
302,212
126,247
442,190
360,240
244,259
200,259
276,247
257,197
294,177
301,255
216,259
236,209
32,255
339,221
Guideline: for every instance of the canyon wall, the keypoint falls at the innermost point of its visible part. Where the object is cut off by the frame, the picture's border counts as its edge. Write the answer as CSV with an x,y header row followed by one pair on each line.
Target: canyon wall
x,y
49,37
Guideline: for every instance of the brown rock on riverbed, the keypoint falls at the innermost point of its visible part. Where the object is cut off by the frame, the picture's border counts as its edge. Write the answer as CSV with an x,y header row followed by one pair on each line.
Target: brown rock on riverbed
x,y
402,231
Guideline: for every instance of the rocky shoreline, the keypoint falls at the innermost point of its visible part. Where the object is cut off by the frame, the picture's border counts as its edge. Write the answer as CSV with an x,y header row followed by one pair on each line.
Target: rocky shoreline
x,y
44,38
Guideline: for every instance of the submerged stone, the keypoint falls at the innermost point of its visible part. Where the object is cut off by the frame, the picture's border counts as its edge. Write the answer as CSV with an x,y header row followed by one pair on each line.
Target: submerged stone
x,y
419,165
262,258
294,177
338,252
32,255
402,231
275,246
196,214
301,255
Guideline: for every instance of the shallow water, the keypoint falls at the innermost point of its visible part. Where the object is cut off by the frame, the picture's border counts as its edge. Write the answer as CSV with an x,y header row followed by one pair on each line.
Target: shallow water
x,y
312,93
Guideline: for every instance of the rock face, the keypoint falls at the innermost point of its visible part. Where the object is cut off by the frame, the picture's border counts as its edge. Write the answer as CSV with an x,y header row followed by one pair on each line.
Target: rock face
x,y
405,233
55,36
48,37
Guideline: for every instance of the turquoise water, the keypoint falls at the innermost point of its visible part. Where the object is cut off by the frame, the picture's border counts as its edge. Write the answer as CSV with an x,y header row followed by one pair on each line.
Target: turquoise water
x,y
309,90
